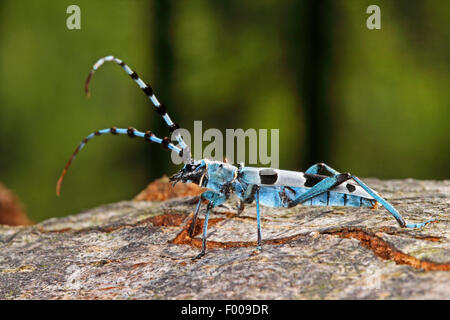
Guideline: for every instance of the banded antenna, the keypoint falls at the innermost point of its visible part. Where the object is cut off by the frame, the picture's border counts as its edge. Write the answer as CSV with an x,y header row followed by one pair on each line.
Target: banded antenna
x,y
182,150
147,89
131,132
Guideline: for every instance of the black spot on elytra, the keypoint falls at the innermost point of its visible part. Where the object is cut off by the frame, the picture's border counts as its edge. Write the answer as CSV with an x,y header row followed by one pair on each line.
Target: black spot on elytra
x,y
350,187
312,179
268,176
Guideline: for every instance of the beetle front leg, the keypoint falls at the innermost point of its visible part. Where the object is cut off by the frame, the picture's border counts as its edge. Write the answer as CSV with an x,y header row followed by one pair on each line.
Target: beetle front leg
x,y
241,207
214,199
205,229
194,219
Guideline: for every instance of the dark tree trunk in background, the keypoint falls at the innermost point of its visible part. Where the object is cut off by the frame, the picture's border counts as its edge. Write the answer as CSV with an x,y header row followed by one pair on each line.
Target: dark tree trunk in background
x,y
3,149
162,72
310,57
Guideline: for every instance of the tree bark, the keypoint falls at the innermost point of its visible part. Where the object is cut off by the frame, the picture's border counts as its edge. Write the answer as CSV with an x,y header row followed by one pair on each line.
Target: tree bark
x,y
142,250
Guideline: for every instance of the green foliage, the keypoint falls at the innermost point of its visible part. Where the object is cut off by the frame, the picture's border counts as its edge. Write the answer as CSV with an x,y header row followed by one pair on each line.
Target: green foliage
x,y
232,64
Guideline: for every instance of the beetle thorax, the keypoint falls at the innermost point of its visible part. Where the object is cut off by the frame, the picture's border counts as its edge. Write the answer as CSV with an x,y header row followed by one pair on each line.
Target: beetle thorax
x,y
219,174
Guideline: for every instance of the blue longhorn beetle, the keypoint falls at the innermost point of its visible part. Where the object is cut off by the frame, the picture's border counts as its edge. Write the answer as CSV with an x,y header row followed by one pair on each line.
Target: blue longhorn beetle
x,y
266,186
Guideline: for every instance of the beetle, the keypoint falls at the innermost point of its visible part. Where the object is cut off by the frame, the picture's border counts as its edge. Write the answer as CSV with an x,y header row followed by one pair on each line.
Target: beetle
x,y
265,186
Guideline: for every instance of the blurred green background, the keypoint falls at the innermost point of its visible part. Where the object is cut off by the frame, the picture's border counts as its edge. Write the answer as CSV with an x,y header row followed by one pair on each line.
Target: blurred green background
x,y
373,102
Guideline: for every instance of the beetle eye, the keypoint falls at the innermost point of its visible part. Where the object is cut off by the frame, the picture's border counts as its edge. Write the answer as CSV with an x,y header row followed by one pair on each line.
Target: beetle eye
x,y
191,167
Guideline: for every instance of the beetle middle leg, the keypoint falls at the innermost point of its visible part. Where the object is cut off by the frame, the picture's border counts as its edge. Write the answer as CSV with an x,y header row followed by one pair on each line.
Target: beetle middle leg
x,y
252,193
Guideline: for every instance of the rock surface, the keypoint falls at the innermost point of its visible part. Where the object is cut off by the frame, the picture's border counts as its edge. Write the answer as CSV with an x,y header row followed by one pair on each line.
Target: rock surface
x,y
141,250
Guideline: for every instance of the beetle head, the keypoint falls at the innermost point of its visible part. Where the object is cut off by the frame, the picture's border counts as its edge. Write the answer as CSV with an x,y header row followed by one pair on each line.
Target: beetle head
x,y
194,172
